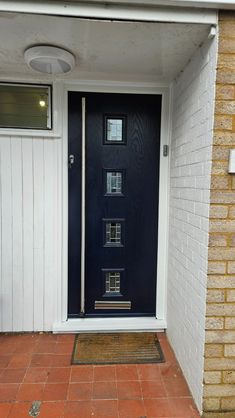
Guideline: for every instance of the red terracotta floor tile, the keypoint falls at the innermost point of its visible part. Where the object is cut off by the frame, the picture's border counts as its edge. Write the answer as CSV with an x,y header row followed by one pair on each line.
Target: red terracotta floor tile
x,y
126,372
19,360
41,360
8,391
153,389
52,410
47,338
183,408
24,348
104,390
36,375
77,409
65,338
45,347
149,371
156,408
104,373
170,370
55,392
176,386
80,391
20,410
107,408
5,360
59,375
81,374
64,348
7,348
129,390
61,360
30,392
131,408
12,375
5,409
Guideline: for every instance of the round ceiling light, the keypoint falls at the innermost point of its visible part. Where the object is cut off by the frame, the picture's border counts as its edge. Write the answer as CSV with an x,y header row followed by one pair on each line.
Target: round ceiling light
x,y
49,59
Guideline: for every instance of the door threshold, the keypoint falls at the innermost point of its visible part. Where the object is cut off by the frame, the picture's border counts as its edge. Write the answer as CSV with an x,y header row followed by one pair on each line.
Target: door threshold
x,y
109,324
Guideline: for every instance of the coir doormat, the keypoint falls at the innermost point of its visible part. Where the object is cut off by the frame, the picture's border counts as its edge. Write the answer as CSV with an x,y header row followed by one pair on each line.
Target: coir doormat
x,y
115,348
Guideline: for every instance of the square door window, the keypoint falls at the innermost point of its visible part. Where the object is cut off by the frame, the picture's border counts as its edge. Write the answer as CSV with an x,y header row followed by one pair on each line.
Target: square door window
x,y
114,182
114,130
113,282
113,235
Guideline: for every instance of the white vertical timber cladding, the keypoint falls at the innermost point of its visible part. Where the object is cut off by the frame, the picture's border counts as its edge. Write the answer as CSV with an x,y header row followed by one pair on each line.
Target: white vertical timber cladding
x,y
6,242
17,238
191,153
49,232
28,256
38,245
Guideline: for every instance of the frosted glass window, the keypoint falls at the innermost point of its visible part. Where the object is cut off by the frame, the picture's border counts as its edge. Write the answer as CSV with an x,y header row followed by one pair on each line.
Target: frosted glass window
x,y
25,106
114,130
112,282
113,233
114,182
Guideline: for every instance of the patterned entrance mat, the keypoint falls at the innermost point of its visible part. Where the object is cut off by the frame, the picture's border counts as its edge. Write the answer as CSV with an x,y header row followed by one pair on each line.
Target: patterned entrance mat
x,y
116,348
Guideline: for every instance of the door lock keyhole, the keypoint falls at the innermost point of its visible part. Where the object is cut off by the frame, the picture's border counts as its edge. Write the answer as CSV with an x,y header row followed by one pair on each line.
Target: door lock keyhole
x,y
71,160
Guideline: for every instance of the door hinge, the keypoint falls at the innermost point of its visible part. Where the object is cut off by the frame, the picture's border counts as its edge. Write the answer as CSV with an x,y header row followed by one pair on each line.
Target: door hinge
x,y
165,150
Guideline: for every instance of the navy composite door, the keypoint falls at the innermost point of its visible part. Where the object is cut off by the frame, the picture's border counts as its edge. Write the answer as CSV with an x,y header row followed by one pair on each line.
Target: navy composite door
x,y
121,203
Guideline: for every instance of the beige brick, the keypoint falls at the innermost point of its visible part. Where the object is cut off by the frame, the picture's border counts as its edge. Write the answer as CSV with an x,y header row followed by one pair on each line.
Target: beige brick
x,y
229,351
220,336
227,45
214,323
219,364
229,376
231,267
223,122
221,254
228,404
218,211
215,295
226,15
231,295
224,138
233,182
222,197
226,107
220,153
230,323
216,267
225,62
219,390
225,92
221,282
220,182
223,225
218,240
232,240
218,414
231,212
225,76
227,29
211,404
212,377
219,168
220,309
213,350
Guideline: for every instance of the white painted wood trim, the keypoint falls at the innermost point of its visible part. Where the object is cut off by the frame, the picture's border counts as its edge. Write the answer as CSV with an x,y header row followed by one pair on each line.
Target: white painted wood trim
x,y
110,324
134,12
112,87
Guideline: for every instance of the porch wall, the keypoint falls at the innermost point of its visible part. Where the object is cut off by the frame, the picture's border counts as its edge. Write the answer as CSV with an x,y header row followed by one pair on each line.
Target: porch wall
x,y
28,233
219,377
191,148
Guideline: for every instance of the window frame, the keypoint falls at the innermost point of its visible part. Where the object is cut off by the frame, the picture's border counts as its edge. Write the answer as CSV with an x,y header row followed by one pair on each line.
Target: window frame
x,y
49,127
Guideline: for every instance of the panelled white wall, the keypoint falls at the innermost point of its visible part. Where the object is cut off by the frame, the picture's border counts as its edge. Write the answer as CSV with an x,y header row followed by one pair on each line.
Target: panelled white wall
x,y
191,151
28,233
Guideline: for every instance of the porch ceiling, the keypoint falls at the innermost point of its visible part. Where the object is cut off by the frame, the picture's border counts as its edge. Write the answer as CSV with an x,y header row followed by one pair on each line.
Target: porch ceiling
x,y
127,51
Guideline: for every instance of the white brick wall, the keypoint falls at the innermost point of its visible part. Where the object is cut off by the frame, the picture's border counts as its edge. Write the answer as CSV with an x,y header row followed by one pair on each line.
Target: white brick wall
x,y
191,149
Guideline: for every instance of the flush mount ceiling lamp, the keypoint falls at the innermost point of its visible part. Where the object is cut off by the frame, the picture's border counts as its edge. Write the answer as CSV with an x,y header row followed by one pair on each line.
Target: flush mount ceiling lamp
x,y
49,59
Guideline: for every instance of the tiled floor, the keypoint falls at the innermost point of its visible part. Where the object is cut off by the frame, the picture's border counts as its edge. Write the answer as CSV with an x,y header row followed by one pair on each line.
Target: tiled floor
x,y
37,367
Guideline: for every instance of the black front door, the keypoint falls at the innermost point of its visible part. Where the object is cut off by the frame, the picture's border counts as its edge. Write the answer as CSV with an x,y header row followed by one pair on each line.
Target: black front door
x,y
121,203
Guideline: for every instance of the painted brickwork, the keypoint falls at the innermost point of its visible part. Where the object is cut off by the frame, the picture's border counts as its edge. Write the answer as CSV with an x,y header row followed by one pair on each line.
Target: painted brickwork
x,y
219,377
191,150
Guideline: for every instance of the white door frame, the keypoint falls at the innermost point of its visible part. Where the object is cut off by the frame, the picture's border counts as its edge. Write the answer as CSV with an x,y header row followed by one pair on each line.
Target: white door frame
x,y
107,324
